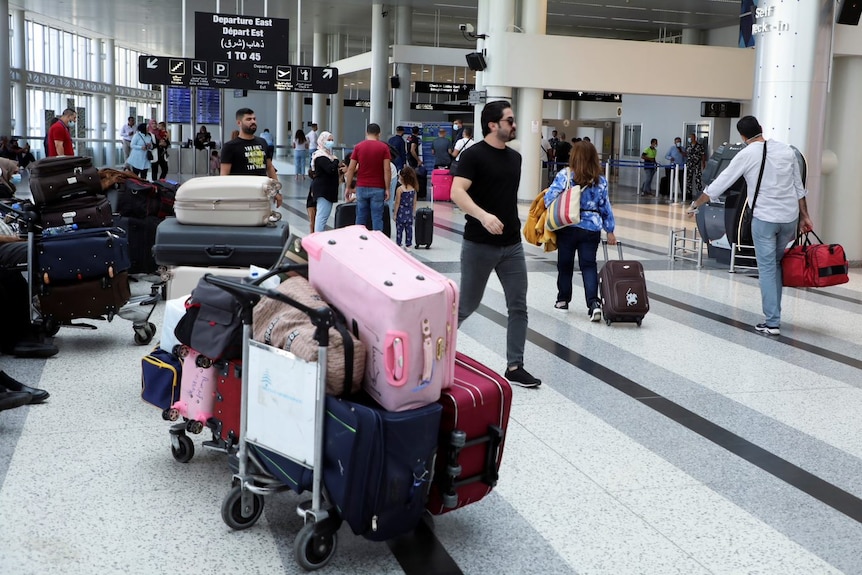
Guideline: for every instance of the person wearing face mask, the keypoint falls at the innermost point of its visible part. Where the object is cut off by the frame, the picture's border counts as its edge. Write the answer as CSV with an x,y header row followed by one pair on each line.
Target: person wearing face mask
x,y
59,135
457,130
327,177
9,177
675,155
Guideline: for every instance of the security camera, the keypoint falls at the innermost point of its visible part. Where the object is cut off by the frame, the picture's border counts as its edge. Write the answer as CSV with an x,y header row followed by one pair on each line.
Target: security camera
x,y
466,28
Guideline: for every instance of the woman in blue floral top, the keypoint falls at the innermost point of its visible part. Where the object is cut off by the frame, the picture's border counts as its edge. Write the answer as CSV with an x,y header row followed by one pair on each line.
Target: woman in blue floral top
x,y
582,238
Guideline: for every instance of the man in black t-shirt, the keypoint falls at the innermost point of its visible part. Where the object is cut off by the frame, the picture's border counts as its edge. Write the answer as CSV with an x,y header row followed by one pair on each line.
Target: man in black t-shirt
x,y
246,154
485,187
414,148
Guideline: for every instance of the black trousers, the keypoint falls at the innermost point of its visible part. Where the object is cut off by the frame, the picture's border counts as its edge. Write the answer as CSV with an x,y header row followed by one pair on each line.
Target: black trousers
x,y
14,292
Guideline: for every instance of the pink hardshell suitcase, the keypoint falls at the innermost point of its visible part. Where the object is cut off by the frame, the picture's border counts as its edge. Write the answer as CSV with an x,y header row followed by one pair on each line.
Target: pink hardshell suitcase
x,y
441,185
197,386
404,312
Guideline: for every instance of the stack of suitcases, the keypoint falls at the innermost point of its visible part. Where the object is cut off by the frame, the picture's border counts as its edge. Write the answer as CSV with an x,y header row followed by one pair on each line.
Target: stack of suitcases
x,y
82,259
224,222
425,432
139,208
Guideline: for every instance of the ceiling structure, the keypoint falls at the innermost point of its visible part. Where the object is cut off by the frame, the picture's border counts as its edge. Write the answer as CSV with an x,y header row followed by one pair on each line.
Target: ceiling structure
x,y
155,26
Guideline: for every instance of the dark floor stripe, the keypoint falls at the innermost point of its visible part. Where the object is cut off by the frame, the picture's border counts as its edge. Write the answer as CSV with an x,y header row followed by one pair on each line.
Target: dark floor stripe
x,y
420,553
825,492
810,348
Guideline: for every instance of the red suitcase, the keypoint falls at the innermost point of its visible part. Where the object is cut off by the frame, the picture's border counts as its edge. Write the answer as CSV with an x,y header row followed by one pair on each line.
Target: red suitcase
x,y
472,434
225,420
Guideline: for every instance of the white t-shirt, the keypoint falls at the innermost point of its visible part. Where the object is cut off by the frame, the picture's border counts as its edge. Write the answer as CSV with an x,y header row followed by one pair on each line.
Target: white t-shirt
x,y
312,140
462,145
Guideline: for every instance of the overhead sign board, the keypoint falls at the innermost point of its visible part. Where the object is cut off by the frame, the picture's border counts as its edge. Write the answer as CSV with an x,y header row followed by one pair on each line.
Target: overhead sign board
x,y
227,74
233,38
443,88
582,96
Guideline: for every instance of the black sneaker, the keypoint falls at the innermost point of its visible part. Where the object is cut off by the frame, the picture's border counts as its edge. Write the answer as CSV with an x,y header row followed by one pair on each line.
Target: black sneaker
x,y
520,376
768,330
595,312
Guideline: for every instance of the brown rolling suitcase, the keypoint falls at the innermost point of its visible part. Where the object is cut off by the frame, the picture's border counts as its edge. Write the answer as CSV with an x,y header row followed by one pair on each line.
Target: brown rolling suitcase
x,y
86,211
93,299
622,288
58,179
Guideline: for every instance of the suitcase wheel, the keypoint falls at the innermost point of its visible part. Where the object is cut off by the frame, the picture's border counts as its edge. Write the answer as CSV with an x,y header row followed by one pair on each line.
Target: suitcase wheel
x,y
144,333
184,449
232,512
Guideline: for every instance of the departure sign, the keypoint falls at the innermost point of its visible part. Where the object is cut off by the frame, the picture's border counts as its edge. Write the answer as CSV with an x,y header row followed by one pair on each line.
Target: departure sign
x,y
241,38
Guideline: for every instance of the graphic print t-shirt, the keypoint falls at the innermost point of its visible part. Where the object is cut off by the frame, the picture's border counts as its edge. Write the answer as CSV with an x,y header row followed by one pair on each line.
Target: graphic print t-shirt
x,y
246,157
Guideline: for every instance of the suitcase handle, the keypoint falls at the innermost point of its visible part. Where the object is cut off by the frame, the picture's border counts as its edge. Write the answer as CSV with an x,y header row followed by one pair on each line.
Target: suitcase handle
x,y
619,248
219,251
395,360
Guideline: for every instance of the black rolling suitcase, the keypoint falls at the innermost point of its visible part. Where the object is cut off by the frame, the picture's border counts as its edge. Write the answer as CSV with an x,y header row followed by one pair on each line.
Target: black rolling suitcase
x,y
423,233
345,215
664,186
219,246
61,178
622,289
141,233
85,212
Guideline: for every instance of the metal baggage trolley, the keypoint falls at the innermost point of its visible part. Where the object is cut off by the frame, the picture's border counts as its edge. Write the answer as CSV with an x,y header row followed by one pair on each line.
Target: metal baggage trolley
x,y
271,404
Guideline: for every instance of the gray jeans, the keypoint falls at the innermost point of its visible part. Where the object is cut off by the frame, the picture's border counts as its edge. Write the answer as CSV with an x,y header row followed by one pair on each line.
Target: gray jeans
x,y
477,263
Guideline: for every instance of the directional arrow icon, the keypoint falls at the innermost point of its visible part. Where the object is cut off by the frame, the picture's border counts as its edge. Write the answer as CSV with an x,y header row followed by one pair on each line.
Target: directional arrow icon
x,y
327,73
152,63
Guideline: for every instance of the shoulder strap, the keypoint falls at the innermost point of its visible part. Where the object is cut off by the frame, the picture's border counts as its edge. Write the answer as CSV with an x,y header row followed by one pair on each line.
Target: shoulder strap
x,y
759,177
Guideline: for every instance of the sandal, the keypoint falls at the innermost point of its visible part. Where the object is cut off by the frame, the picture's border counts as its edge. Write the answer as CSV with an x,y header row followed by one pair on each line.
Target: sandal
x,y
562,305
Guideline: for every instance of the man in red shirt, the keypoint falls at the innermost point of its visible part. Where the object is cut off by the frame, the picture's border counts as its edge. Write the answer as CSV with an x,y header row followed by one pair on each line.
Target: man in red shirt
x,y
59,138
373,177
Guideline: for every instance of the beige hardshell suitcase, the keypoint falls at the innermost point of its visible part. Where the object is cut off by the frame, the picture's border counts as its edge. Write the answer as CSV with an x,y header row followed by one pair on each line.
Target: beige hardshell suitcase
x,y
181,280
227,201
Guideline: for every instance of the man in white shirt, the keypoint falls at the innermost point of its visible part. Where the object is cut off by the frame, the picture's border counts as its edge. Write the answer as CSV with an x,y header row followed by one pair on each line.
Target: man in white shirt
x,y
779,213
464,143
126,133
311,136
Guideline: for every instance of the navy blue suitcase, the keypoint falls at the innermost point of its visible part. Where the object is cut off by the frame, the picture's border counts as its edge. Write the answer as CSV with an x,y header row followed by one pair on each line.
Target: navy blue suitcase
x,y
377,465
78,255
160,378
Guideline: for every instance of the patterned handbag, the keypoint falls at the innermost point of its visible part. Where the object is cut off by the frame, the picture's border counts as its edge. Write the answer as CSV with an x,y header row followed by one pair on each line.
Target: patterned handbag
x,y
565,210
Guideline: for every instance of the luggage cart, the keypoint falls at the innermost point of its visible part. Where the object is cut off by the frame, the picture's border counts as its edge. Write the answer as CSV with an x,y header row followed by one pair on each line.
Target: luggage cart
x,y
134,310
316,542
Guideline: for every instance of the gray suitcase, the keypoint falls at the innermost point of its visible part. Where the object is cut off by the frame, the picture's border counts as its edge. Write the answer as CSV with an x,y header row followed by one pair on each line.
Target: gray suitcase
x,y
221,246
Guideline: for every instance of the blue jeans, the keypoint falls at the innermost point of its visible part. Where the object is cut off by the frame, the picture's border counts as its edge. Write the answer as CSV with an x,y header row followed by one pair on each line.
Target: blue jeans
x,y
477,263
370,200
299,158
585,243
770,239
649,174
324,208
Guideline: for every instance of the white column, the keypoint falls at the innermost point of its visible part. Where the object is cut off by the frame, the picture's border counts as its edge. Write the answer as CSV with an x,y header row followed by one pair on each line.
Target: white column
x,y
282,118
529,112
792,63
379,65
336,101
19,60
841,201
483,18
401,96
296,100
692,36
97,113
319,58
110,111
500,19
5,71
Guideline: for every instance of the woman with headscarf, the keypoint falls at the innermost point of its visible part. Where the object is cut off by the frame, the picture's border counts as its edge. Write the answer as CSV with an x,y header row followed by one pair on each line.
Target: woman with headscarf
x,y
142,144
327,178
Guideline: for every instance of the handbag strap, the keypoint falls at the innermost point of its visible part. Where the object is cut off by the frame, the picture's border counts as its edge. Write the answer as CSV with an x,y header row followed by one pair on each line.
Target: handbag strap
x,y
759,178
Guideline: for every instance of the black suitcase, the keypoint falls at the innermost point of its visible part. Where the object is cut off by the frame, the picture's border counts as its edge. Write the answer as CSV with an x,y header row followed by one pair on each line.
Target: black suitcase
x,y
60,178
345,215
141,233
225,246
664,186
423,233
622,289
86,212
91,299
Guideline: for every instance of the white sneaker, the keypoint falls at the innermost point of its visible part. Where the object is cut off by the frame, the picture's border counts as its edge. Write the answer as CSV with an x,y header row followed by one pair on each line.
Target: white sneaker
x,y
763,328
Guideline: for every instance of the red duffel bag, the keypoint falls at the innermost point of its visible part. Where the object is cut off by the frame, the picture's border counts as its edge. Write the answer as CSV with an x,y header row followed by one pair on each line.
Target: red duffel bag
x,y
814,265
